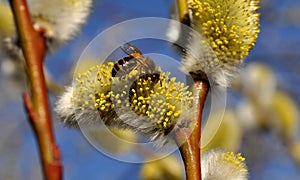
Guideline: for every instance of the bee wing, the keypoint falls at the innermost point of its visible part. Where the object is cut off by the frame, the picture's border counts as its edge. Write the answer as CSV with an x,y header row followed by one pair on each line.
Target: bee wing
x,y
129,48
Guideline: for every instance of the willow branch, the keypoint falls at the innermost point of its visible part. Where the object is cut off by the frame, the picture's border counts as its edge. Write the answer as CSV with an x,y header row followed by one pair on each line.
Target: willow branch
x,y
189,139
33,47
190,154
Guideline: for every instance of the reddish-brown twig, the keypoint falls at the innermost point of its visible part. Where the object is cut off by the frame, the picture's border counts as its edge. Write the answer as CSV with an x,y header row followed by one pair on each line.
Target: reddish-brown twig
x,y
189,141
33,46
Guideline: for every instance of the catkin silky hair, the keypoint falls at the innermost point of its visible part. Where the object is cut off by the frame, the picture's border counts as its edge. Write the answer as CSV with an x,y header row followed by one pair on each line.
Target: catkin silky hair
x,y
153,109
219,165
229,30
59,20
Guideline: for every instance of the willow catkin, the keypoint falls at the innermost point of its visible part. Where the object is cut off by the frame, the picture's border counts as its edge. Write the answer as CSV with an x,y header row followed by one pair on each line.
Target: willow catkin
x,y
219,165
59,20
229,30
152,109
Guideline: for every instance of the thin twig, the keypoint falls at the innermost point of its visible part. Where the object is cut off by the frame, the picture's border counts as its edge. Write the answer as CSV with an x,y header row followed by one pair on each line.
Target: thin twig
x,y
190,149
190,154
33,46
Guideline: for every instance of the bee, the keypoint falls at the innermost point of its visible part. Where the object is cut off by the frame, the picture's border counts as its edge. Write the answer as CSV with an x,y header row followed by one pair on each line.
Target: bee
x,y
135,61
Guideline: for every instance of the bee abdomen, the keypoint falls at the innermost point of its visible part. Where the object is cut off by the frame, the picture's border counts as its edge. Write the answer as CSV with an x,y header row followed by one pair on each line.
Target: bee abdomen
x,y
123,66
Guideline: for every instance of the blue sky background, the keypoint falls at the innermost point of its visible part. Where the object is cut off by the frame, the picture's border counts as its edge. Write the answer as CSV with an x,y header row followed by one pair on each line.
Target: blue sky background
x,y
277,46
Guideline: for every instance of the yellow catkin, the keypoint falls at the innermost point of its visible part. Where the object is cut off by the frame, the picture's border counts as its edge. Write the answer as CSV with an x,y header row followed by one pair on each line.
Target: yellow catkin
x,y
158,102
7,27
231,27
219,164
235,160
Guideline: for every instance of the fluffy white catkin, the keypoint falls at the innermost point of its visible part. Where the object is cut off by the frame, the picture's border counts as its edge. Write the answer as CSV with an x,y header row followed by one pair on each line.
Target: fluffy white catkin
x,y
224,34
222,165
60,19
149,108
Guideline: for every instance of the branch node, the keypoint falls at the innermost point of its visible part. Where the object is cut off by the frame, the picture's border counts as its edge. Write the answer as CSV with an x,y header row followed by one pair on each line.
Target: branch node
x,y
29,107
